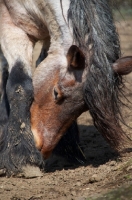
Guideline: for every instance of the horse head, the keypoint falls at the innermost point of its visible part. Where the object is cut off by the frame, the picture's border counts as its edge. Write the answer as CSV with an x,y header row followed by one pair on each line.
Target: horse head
x,y
58,102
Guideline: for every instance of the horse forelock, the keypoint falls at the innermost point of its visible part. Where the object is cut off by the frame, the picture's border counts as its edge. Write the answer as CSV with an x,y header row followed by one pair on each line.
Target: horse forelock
x,y
95,33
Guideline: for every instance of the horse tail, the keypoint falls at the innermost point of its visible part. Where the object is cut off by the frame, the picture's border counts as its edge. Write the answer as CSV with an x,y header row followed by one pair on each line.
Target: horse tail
x,y
94,32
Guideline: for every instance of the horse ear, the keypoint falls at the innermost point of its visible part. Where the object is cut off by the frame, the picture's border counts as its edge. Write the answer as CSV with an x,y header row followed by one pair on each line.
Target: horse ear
x,y
123,66
75,57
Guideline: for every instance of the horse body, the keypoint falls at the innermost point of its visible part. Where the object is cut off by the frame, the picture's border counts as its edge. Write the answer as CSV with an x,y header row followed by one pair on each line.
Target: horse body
x,y
75,75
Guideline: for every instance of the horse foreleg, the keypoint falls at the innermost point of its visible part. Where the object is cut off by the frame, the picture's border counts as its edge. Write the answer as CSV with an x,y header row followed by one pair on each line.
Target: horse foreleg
x,y
18,148
4,105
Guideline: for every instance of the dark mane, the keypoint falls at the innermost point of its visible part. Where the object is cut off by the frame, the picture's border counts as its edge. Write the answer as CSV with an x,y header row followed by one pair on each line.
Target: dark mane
x,y
95,33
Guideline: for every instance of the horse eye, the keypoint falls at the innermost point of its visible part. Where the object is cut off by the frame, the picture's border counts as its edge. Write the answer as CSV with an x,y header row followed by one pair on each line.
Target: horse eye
x,y
58,94
55,94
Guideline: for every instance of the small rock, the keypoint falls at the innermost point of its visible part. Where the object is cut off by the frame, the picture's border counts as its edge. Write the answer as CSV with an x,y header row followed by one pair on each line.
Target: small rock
x,y
95,178
2,172
73,193
129,168
78,184
116,168
113,163
8,189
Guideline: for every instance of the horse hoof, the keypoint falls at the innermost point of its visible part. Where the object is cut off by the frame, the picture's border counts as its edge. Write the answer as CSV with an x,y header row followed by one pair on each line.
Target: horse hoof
x,y
29,171
2,172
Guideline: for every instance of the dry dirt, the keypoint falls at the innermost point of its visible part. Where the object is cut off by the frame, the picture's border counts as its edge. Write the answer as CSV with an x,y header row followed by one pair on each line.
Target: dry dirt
x,y
102,172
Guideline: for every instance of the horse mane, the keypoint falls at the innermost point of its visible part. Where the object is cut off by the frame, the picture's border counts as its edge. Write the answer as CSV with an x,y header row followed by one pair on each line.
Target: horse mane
x,y
95,33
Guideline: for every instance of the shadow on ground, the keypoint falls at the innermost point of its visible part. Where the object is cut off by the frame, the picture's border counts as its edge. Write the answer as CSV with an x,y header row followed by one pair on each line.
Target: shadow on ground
x,y
95,149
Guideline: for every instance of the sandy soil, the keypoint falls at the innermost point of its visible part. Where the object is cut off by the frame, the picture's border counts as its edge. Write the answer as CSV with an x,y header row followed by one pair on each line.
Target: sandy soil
x,y
103,170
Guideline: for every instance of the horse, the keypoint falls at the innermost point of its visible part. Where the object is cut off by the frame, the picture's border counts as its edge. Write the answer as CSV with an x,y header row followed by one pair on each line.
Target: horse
x,y
81,70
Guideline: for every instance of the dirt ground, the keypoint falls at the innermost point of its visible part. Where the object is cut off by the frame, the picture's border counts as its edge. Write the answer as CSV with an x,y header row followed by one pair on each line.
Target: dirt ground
x,y
103,170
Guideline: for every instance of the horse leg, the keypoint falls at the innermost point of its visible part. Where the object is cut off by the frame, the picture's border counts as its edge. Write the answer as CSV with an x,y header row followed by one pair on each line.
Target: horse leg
x,y
4,105
18,145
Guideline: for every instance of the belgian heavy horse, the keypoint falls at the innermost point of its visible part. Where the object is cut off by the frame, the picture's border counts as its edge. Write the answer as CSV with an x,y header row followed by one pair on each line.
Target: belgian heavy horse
x,y
81,70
